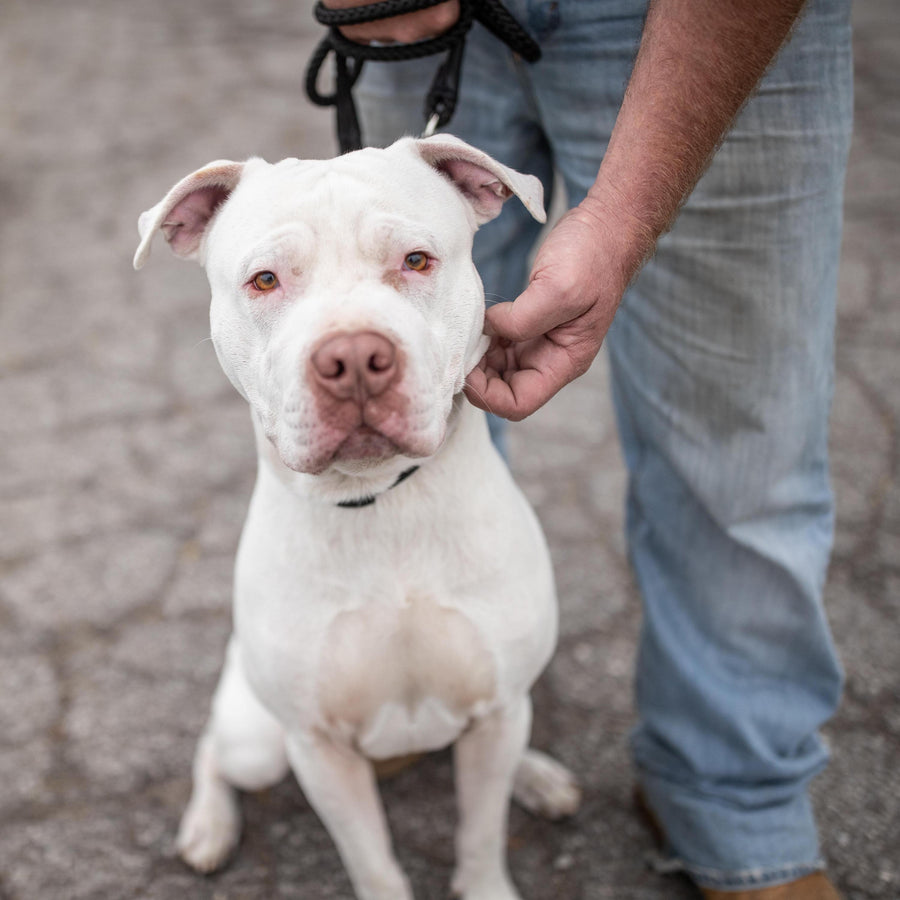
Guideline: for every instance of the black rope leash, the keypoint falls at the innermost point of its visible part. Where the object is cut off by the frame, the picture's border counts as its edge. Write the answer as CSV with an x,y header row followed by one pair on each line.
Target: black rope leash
x,y
440,101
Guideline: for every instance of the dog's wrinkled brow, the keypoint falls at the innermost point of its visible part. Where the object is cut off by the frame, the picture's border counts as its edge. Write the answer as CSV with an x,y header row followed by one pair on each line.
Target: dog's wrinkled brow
x,y
383,236
294,240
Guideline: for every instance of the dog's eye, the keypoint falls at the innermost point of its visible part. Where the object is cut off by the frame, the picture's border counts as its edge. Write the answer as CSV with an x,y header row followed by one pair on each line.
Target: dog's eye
x,y
417,261
265,281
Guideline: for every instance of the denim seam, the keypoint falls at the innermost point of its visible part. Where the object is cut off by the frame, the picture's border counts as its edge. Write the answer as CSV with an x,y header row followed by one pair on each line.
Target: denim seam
x,y
758,877
743,878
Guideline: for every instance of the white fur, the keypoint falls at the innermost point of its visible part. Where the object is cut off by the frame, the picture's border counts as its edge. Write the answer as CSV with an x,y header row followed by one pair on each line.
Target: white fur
x,y
406,625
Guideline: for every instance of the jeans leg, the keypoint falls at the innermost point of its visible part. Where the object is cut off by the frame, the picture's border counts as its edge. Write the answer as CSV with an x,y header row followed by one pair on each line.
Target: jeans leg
x,y
722,358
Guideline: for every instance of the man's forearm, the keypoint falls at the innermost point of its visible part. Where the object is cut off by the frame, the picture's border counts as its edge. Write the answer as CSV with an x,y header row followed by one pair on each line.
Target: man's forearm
x,y
698,62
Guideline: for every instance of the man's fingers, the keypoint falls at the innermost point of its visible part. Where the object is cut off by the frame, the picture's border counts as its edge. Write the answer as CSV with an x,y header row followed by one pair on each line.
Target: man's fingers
x,y
407,28
497,397
512,393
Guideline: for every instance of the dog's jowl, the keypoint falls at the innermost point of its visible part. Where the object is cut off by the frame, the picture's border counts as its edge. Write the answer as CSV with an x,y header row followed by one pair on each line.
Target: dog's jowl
x,y
393,591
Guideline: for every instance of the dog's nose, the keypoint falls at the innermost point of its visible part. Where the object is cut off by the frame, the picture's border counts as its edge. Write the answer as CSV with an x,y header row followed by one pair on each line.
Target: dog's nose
x,y
355,365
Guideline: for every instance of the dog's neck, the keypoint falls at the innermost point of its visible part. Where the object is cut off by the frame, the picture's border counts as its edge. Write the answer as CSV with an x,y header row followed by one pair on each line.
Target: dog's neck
x,y
345,489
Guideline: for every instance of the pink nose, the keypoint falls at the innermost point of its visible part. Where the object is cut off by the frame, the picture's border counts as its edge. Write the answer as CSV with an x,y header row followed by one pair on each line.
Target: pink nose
x,y
355,365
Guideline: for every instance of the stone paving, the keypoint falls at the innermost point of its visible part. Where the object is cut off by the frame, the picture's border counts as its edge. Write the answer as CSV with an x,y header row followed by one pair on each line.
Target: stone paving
x,y
126,464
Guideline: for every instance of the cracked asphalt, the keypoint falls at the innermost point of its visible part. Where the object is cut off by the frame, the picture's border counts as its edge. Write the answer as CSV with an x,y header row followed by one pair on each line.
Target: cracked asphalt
x,y
126,464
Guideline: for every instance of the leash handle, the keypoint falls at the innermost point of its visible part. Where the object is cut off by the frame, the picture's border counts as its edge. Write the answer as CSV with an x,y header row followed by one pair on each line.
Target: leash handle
x,y
370,12
505,27
441,99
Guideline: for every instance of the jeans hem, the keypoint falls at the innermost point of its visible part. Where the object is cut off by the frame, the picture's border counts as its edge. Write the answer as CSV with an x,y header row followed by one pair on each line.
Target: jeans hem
x,y
710,858
716,879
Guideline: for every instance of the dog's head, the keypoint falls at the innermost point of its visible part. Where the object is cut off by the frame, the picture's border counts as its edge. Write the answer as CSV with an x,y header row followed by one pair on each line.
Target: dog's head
x,y
345,305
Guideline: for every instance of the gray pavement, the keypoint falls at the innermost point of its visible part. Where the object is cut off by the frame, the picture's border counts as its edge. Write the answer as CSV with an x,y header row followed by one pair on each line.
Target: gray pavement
x,y
126,464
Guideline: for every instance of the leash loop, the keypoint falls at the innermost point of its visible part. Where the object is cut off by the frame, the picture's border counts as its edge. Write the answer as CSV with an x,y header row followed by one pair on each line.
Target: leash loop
x,y
370,12
440,102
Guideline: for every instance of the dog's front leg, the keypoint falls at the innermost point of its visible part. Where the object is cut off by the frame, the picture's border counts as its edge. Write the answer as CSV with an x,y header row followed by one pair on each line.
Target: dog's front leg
x,y
340,786
486,758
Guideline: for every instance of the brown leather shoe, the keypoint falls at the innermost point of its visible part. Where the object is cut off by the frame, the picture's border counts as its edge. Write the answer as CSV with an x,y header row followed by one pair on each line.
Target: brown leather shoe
x,y
811,887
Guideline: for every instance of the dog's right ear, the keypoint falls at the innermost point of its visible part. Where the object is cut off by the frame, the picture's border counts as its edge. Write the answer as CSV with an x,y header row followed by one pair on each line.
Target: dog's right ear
x,y
483,182
184,214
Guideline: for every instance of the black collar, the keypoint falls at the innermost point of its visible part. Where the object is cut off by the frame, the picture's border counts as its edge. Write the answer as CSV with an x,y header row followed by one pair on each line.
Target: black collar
x,y
369,499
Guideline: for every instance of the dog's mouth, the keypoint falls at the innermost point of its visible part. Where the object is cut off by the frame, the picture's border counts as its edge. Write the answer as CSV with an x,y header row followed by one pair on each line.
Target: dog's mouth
x,y
367,434
366,443
360,444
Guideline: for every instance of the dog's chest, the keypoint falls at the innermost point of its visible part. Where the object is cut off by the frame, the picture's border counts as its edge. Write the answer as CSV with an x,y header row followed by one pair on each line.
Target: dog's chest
x,y
403,677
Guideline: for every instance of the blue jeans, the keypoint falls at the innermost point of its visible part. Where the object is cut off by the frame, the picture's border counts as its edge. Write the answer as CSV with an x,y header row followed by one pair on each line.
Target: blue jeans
x,y
722,367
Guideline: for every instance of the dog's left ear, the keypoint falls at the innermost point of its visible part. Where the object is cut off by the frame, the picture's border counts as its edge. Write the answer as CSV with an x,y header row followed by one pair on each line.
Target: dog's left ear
x,y
184,214
484,182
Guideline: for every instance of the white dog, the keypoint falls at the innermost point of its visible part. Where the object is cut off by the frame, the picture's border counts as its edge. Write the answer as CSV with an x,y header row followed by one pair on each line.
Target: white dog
x,y
393,591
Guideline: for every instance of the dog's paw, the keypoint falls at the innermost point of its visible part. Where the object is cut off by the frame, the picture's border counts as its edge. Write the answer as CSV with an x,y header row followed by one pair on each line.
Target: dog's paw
x,y
546,787
498,887
503,893
387,884
210,829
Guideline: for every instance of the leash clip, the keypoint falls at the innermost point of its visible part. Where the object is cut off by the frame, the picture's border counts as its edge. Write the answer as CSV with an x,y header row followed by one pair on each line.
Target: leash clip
x,y
431,126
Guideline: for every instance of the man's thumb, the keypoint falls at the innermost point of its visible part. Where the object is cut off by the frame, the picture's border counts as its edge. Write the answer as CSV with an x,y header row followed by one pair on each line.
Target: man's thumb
x,y
530,315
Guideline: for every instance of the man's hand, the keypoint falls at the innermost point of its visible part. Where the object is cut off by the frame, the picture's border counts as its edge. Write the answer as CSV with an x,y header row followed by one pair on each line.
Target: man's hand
x,y
405,29
698,62
553,331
